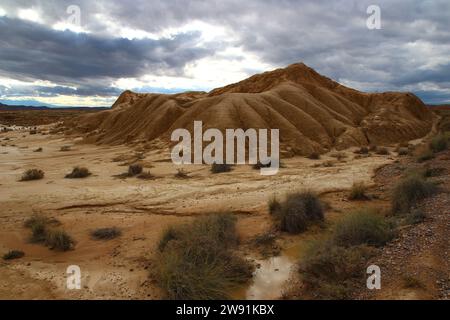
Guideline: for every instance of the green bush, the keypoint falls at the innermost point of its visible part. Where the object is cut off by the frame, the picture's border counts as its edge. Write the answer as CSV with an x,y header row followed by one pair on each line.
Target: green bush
x,y
409,191
32,174
196,261
298,211
439,143
13,254
106,233
78,173
358,191
362,227
332,272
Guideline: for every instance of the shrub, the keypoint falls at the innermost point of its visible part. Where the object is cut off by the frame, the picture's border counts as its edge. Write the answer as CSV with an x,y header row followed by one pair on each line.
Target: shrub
x,y
416,216
32,174
328,164
333,272
219,168
298,211
425,156
65,148
362,150
196,262
382,151
339,155
106,233
58,240
78,173
411,282
439,143
409,191
362,227
38,150
373,148
314,156
13,254
169,234
403,151
181,174
134,170
274,205
358,192
38,225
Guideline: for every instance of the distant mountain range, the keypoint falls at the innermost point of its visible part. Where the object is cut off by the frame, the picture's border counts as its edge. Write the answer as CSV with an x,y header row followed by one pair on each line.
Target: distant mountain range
x,y
23,107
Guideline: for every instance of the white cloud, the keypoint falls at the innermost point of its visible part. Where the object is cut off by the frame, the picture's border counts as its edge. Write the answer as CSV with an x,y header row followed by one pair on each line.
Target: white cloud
x,y
30,14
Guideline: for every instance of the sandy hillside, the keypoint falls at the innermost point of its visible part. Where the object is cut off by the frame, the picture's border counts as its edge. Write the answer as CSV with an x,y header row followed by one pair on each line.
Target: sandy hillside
x,y
313,113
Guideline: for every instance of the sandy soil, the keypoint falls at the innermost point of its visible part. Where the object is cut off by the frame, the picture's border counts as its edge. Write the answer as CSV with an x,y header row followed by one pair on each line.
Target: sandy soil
x,y
119,268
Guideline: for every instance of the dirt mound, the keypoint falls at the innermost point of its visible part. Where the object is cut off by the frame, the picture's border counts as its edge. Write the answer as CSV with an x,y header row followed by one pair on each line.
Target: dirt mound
x,y
313,113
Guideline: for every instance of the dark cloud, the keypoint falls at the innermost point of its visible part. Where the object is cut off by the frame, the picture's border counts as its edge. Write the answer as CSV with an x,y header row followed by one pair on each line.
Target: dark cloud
x,y
409,51
35,51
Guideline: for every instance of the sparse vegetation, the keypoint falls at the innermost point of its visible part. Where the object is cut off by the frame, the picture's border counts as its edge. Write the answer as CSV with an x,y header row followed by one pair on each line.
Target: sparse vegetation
x,y
439,143
196,260
314,156
383,151
58,240
416,216
409,191
32,174
134,170
425,155
274,205
106,233
298,211
328,164
220,167
41,232
13,254
78,173
403,151
362,150
358,191
411,282
181,174
339,155
362,227
332,272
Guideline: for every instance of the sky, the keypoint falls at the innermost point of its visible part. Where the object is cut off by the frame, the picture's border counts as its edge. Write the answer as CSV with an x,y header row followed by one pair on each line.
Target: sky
x,y
85,53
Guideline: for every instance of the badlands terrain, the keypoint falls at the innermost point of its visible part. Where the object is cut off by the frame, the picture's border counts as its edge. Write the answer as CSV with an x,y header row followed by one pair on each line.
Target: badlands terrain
x,y
315,115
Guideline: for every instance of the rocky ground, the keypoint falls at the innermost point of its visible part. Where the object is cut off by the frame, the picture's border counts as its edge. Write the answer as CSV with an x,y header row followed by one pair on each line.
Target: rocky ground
x,y
416,264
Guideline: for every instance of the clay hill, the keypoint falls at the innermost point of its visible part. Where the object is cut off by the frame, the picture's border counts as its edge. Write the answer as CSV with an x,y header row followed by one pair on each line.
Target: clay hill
x,y
313,113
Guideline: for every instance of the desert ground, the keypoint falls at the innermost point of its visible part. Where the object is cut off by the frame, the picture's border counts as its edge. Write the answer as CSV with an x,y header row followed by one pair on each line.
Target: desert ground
x,y
121,268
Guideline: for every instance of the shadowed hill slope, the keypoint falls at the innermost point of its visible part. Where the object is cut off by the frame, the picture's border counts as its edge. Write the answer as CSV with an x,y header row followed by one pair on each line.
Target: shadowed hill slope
x,y
312,112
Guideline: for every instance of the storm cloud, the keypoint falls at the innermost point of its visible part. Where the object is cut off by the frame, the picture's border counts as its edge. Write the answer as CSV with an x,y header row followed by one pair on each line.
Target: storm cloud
x,y
408,53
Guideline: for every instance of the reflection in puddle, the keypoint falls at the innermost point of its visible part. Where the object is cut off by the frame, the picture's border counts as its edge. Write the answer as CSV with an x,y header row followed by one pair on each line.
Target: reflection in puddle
x,y
269,280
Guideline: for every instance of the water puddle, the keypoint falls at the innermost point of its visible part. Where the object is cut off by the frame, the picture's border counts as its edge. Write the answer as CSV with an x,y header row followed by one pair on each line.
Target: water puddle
x,y
271,276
